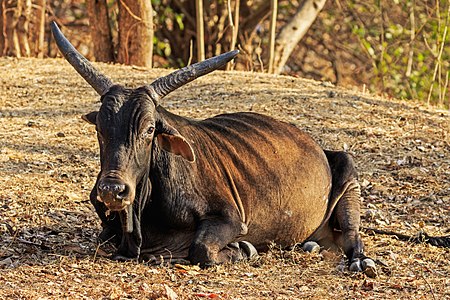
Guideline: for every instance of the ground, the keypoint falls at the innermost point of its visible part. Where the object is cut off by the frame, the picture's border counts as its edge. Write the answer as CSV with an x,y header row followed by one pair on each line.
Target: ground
x,y
49,161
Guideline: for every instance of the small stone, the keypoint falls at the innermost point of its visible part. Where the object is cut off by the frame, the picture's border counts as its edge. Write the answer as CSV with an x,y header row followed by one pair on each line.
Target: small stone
x,y
311,247
6,262
60,134
332,94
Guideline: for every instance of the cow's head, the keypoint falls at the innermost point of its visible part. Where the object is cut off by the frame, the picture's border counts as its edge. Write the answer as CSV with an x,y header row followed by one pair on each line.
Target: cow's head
x,y
128,123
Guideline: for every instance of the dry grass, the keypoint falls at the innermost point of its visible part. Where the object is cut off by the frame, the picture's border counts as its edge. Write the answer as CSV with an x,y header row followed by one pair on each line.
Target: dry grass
x,y
49,161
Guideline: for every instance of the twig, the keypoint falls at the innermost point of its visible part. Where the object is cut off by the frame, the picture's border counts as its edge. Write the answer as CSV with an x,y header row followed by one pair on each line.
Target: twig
x,y
230,16
133,15
273,25
428,284
413,37
100,245
445,89
191,52
258,54
129,32
438,61
234,29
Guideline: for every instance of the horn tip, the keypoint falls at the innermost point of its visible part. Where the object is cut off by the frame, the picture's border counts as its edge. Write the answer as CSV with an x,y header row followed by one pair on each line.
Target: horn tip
x,y
234,53
54,27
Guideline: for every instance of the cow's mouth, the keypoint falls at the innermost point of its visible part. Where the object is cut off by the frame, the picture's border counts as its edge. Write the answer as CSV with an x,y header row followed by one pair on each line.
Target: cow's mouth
x,y
117,206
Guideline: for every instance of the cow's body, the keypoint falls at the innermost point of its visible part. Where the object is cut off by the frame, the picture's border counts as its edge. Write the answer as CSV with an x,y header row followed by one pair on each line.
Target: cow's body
x,y
195,190
265,179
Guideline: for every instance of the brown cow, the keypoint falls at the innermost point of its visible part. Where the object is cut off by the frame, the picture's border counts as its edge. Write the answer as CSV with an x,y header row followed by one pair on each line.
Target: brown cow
x,y
212,191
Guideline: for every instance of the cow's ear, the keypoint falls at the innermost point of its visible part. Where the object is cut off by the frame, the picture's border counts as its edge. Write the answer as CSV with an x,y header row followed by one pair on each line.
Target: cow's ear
x,y
90,117
172,141
176,144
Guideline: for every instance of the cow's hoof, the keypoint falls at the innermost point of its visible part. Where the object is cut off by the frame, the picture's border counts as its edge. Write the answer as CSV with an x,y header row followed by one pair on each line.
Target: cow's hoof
x,y
248,249
311,247
355,266
366,265
369,268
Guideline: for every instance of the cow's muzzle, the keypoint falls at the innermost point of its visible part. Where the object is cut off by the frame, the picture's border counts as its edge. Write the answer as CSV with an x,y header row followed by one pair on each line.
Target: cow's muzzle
x,y
114,193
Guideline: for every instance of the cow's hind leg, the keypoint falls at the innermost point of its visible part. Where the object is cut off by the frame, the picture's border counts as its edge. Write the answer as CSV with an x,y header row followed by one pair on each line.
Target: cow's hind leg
x,y
346,214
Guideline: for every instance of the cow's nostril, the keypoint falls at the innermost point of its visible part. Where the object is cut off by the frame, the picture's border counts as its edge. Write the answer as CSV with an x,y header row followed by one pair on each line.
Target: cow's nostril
x,y
117,188
123,193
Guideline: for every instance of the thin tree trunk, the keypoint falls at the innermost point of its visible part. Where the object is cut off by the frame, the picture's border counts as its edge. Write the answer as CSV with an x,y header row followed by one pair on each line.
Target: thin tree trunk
x,y
273,25
200,30
39,32
100,30
23,26
135,32
235,27
2,37
291,34
12,17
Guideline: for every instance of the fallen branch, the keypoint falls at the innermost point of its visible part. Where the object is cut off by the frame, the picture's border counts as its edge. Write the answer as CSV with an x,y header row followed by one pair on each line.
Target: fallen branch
x,y
421,237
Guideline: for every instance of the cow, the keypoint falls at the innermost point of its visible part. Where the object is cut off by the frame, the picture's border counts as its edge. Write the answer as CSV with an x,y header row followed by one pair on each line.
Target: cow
x,y
216,190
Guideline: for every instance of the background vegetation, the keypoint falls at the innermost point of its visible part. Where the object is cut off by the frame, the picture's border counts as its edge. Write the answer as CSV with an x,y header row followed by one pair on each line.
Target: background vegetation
x,y
391,47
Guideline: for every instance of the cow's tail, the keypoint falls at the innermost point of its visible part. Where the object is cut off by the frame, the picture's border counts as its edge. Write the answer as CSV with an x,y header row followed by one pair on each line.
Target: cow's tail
x,y
421,237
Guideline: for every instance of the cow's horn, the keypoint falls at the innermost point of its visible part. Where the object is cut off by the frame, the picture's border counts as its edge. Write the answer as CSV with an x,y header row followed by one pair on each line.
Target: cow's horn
x,y
164,85
97,80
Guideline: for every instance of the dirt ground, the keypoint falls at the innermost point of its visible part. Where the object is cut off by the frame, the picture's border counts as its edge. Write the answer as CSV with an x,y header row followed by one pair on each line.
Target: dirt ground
x,y
49,161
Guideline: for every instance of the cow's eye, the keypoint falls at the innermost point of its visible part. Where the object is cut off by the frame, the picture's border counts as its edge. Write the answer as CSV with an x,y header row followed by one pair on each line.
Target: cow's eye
x,y
149,131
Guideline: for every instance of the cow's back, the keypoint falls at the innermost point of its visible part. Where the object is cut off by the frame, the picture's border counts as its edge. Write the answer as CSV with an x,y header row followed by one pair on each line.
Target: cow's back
x,y
275,175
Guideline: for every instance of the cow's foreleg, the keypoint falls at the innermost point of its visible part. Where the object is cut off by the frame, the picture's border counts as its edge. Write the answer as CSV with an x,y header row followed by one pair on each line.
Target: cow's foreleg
x,y
213,242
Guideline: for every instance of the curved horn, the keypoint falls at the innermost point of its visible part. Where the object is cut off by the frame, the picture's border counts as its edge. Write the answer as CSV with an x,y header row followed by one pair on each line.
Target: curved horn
x,y
97,80
164,85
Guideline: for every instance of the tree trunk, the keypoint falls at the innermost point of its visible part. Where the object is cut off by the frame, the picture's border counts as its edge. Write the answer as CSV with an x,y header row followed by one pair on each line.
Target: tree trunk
x,y
23,26
135,32
200,30
2,37
39,28
100,30
12,17
294,31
